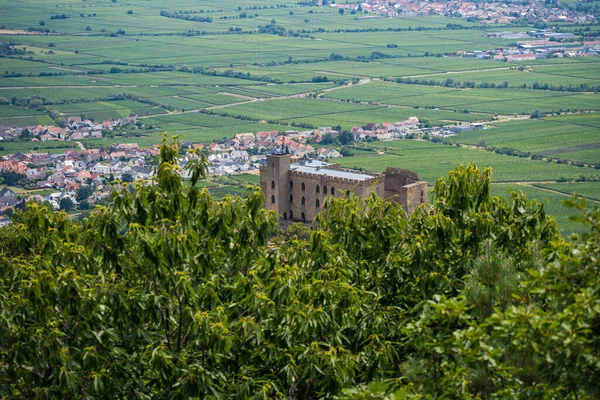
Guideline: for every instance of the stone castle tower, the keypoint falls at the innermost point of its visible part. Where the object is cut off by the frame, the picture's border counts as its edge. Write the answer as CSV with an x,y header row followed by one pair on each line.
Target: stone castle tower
x,y
296,191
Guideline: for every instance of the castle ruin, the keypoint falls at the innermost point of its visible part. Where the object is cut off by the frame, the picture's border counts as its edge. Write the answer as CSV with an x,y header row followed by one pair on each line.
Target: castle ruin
x,y
296,191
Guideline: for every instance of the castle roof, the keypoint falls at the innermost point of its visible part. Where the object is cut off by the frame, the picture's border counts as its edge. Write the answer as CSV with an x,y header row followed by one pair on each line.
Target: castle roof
x,y
320,168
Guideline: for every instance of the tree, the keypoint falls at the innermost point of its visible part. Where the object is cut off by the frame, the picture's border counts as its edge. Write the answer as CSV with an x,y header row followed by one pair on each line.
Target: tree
x,y
12,178
127,177
341,11
346,138
171,293
66,204
84,192
84,205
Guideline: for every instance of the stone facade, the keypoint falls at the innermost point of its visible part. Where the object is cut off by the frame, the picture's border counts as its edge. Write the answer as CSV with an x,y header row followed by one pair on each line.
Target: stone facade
x,y
297,191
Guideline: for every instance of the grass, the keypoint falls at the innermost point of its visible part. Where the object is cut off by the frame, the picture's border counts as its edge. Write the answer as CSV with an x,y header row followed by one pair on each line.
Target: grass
x,y
433,160
320,112
553,74
493,101
547,137
590,190
42,147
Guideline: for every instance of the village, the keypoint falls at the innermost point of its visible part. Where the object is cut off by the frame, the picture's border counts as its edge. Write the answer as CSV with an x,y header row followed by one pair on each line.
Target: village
x,y
483,13
80,179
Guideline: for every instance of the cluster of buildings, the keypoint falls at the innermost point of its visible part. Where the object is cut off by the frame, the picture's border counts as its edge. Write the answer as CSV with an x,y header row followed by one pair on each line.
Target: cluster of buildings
x,y
485,12
76,129
545,43
97,168
387,130
245,152
66,173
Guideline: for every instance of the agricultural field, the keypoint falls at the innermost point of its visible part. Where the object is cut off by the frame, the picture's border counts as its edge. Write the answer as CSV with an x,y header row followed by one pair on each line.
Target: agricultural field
x,y
555,137
321,112
433,160
491,101
205,81
27,147
589,190
552,74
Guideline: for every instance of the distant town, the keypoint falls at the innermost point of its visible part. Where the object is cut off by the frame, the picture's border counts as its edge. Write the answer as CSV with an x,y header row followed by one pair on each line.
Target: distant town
x,y
482,12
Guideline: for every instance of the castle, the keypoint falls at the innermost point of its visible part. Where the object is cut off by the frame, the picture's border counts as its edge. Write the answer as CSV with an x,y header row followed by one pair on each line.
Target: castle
x,y
296,191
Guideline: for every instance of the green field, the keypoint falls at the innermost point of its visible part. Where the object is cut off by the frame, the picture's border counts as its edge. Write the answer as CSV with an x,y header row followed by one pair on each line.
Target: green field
x,y
433,160
552,137
492,101
41,147
590,190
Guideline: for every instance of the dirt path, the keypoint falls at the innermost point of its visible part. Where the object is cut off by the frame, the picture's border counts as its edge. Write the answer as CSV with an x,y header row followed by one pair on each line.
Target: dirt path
x,y
21,32
567,195
67,69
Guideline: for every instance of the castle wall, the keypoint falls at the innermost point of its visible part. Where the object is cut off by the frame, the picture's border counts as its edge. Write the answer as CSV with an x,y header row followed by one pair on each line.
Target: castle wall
x,y
341,187
404,187
285,189
411,196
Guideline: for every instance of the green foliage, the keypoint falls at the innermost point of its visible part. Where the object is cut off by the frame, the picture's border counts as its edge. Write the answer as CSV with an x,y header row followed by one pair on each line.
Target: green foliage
x,y
172,294
66,204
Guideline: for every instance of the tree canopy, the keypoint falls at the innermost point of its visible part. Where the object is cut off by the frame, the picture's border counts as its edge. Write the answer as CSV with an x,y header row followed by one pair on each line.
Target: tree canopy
x,y
170,293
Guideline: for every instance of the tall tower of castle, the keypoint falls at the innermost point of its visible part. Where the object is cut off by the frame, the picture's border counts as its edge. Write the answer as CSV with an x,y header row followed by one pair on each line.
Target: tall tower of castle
x,y
274,182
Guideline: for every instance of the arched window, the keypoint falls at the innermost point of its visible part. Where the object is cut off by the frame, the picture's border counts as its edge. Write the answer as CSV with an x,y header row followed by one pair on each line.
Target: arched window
x,y
332,191
324,189
291,214
303,217
272,184
272,199
291,198
303,200
303,187
284,215
317,204
318,189
291,184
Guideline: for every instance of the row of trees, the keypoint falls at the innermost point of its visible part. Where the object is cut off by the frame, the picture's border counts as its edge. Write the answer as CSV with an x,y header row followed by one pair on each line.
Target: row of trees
x,y
170,293
582,87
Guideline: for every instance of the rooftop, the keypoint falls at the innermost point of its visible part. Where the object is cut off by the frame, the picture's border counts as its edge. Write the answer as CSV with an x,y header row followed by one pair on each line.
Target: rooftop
x,y
319,168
